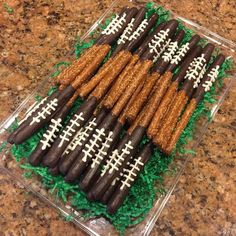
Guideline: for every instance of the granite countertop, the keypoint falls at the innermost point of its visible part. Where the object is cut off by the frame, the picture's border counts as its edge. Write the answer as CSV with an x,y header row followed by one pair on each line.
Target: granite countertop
x,y
34,36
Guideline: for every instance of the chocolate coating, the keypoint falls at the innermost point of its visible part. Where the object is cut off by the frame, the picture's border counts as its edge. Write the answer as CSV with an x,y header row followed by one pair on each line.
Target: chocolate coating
x,y
136,42
191,44
93,172
84,159
11,138
199,93
162,64
104,181
100,39
109,39
67,160
37,155
57,150
171,26
148,39
188,84
195,52
119,195
138,19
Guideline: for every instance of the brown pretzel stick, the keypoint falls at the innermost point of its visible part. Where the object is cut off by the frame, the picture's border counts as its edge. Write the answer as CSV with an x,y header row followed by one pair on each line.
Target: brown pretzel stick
x,y
123,115
108,72
139,74
91,67
120,84
148,111
180,127
140,100
105,83
70,72
169,123
161,111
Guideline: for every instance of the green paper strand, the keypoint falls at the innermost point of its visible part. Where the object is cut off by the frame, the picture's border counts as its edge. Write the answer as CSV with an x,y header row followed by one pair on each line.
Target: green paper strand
x,y
150,182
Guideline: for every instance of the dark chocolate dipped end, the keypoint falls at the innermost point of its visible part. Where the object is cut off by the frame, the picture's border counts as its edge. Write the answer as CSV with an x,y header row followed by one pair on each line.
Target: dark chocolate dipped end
x,y
164,60
209,78
93,170
184,67
135,168
77,121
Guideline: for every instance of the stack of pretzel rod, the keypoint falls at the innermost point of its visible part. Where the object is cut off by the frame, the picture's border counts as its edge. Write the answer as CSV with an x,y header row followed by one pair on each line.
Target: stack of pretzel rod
x,y
138,74
52,157
102,80
107,123
73,77
137,89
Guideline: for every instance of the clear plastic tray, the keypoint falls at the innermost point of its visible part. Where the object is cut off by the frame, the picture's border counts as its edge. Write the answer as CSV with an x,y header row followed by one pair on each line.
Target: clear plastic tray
x,y
100,226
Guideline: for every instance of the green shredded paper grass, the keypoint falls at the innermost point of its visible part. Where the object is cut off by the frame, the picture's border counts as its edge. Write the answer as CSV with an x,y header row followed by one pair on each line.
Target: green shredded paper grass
x,y
144,192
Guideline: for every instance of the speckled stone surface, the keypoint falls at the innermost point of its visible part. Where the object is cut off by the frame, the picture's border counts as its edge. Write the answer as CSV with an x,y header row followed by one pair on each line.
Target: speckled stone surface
x,y
38,34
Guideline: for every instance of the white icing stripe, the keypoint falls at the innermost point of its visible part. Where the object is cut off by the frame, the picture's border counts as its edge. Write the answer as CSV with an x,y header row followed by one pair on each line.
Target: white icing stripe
x,y
102,152
47,110
72,145
155,58
201,75
69,130
156,43
115,160
180,54
139,30
90,147
196,70
130,174
126,34
213,74
170,51
50,134
115,25
32,109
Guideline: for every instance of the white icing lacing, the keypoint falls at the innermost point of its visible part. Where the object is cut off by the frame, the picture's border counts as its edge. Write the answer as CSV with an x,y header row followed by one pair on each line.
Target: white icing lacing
x,y
115,25
170,51
139,30
46,111
201,75
126,34
72,145
130,174
180,54
50,134
195,69
69,130
116,159
156,57
156,43
89,149
213,74
87,130
103,151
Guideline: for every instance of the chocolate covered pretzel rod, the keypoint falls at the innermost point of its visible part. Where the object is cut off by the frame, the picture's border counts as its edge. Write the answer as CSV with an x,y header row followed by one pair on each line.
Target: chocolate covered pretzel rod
x,y
112,32
129,175
170,95
105,72
140,71
117,160
190,56
125,78
97,94
193,77
138,34
137,101
207,81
